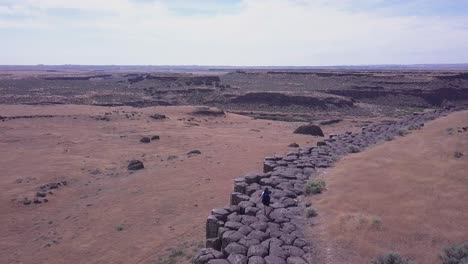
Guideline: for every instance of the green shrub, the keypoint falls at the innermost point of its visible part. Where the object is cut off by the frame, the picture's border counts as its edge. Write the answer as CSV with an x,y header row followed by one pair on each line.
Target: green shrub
x,y
354,149
314,187
311,212
456,254
391,258
402,132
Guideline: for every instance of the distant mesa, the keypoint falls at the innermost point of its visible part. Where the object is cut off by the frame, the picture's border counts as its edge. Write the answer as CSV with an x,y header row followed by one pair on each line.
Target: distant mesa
x,y
310,129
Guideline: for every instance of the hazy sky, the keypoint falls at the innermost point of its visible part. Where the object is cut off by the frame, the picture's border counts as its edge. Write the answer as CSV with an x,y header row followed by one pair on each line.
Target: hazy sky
x,y
233,32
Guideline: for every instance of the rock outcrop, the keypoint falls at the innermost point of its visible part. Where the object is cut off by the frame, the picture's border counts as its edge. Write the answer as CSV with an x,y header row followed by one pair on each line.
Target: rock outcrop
x,y
244,232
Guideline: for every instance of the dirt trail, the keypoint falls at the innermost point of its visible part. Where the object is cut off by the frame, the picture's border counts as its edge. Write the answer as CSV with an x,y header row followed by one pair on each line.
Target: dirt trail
x,y
408,195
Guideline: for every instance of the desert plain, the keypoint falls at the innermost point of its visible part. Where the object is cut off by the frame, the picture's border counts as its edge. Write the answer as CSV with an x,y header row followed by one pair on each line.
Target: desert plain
x,y
67,135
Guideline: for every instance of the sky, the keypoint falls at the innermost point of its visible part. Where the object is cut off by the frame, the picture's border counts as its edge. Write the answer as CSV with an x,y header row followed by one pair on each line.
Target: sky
x,y
233,32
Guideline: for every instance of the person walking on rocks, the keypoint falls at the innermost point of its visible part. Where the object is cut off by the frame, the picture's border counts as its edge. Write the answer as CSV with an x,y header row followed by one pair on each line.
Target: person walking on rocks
x,y
266,198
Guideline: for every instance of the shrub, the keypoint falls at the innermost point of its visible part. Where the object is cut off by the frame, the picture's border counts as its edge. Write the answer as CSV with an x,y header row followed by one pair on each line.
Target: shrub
x,y
388,138
311,212
314,187
456,254
391,258
354,149
402,132
414,127
458,154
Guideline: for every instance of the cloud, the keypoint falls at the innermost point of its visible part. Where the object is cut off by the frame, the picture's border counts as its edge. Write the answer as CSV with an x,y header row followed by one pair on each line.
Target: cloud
x,y
229,32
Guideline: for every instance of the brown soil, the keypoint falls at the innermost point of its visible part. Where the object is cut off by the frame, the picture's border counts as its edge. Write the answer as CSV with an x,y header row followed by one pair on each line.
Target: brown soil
x,y
408,195
159,208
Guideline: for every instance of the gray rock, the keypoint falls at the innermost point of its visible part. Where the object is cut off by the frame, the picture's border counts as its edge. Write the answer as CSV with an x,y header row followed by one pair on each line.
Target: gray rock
x,y
230,237
233,225
257,250
234,217
268,166
220,214
299,242
218,261
256,260
277,251
310,129
244,229
236,198
293,145
212,225
258,235
194,152
251,210
247,242
214,243
261,226
272,242
248,219
296,260
237,259
240,187
235,248
274,260
206,254
145,140
135,165
293,251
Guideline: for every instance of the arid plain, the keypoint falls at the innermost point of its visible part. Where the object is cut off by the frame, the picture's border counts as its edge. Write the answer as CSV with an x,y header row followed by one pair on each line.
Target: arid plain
x,y
77,129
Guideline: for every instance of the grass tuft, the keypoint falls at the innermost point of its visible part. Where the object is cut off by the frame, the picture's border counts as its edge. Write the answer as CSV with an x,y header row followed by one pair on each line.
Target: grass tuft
x,y
314,187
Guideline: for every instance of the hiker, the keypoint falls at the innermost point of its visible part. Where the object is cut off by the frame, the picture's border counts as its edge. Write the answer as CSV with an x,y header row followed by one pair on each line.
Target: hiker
x,y
266,198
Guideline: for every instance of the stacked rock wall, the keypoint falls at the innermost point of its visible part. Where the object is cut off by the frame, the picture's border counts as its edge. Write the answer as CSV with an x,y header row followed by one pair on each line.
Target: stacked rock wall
x,y
243,233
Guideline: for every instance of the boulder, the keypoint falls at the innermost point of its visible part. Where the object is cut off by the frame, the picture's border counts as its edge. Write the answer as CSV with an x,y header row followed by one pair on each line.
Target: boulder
x,y
145,140
236,198
310,129
237,259
135,165
158,116
235,248
212,225
205,255
274,260
214,243
256,260
194,152
218,261
296,260
257,250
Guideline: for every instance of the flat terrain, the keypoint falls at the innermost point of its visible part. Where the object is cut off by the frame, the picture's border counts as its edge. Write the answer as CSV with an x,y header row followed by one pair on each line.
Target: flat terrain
x,y
106,214
82,125
408,195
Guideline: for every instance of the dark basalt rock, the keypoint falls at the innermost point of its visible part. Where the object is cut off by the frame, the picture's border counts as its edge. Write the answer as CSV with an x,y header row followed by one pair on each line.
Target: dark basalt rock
x,y
145,140
310,129
135,165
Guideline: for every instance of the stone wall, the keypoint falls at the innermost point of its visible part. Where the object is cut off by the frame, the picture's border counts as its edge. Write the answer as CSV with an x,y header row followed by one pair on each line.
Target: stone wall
x,y
243,233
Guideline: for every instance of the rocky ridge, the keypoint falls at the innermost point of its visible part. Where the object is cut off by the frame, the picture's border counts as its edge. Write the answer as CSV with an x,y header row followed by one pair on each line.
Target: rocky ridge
x,y
243,233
